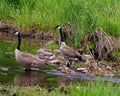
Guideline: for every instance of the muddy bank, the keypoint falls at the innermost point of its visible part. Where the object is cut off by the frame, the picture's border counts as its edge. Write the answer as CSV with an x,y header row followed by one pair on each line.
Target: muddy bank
x,y
32,34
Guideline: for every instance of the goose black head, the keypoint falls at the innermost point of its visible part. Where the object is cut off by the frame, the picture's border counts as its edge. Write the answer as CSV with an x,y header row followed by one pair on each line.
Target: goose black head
x,y
16,32
58,27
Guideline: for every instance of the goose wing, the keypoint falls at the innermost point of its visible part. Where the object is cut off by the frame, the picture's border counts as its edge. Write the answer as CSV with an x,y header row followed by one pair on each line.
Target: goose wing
x,y
32,59
66,50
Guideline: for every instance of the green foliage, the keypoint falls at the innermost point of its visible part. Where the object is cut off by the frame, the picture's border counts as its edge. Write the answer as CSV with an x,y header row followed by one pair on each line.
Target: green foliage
x,y
52,45
6,47
92,89
48,67
84,15
90,46
116,53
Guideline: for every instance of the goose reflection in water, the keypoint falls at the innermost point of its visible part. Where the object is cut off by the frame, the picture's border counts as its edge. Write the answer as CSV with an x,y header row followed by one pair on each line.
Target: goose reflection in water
x,y
41,79
30,78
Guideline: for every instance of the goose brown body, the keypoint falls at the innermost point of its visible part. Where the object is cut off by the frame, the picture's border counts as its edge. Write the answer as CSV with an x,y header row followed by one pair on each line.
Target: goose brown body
x,y
28,60
68,51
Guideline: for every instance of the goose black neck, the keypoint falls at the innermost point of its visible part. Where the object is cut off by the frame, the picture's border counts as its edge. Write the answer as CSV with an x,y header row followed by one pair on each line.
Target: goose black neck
x,y
19,41
61,35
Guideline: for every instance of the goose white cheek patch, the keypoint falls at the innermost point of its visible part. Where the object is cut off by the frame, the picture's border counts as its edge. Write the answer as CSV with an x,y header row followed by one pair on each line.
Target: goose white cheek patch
x,y
16,33
58,27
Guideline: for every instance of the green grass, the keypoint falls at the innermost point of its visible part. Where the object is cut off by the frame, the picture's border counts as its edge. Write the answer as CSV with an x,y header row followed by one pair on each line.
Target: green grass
x,y
92,89
84,15
6,47
51,46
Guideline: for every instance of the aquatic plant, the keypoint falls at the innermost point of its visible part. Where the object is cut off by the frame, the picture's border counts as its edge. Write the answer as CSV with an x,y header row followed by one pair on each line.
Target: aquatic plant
x,y
92,89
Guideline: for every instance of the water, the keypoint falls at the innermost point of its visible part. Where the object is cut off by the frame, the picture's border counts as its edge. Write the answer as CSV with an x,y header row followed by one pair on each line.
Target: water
x,y
13,73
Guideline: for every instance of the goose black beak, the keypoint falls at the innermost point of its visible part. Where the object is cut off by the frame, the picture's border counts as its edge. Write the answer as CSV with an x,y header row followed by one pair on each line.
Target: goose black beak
x,y
13,32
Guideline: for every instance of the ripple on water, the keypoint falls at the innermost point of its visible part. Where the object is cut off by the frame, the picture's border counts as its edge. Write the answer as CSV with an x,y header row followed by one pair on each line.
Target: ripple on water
x,y
82,76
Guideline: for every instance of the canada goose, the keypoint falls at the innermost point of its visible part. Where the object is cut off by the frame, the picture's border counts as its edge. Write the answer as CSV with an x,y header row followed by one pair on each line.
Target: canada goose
x,y
26,59
66,50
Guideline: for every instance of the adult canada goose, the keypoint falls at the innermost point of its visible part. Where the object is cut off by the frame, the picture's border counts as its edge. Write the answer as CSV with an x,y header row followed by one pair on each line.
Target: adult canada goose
x,y
26,59
66,50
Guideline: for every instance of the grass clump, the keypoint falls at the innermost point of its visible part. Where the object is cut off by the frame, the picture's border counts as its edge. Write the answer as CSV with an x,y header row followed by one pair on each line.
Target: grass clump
x,y
52,45
92,89
84,15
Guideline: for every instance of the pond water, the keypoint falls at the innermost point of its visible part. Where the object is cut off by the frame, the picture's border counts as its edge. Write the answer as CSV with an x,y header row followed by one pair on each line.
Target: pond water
x,y
13,73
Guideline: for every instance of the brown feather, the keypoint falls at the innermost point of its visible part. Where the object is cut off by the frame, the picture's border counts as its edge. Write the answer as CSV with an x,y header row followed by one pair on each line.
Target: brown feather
x,y
70,52
27,59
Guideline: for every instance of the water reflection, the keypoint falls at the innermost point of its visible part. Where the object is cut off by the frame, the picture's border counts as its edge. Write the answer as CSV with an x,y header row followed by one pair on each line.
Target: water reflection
x,y
34,78
29,78
43,79
83,78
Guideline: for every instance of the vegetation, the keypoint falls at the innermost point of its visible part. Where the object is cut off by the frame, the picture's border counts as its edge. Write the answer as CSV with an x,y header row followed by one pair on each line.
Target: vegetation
x,y
83,15
92,89
52,46
7,48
